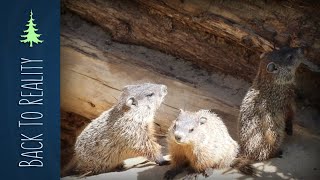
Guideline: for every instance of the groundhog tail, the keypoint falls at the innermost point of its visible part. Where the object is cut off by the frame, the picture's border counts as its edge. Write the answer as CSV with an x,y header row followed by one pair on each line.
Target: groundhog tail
x,y
244,166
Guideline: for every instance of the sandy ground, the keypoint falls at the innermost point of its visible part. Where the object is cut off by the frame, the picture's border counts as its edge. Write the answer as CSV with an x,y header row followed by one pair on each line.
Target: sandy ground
x,y
301,151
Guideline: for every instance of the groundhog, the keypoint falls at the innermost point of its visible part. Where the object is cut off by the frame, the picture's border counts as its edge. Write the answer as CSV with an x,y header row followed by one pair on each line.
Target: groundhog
x,y
199,141
124,131
268,108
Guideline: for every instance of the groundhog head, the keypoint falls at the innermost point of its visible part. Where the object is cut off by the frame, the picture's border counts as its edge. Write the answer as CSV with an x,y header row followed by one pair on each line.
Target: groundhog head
x,y
142,99
186,127
281,65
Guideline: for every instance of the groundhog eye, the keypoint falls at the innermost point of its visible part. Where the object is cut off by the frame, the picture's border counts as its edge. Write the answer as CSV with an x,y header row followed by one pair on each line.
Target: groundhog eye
x,y
174,126
190,130
150,94
271,67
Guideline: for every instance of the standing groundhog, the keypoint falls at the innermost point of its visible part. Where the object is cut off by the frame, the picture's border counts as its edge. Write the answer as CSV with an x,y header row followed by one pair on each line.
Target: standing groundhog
x,y
267,109
124,131
200,141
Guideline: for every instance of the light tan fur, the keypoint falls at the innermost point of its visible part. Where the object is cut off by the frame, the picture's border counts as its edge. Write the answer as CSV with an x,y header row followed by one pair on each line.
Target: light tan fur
x,y
124,131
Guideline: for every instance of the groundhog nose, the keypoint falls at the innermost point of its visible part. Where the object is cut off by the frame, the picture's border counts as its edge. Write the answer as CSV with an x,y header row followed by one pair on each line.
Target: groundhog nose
x,y
178,138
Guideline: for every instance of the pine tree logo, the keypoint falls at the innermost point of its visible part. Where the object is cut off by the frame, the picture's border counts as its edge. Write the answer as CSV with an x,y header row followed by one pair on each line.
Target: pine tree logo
x,y
31,36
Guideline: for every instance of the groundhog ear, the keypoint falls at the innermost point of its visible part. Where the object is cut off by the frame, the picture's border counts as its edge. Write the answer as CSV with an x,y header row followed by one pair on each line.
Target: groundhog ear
x,y
124,89
203,120
131,102
272,67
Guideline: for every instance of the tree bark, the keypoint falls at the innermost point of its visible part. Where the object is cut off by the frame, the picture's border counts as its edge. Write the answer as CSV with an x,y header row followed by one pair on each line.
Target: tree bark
x,y
91,82
219,36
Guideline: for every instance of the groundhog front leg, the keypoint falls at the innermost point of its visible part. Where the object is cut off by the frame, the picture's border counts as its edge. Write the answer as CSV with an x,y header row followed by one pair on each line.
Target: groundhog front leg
x,y
207,172
289,128
119,167
178,164
192,174
161,161
152,152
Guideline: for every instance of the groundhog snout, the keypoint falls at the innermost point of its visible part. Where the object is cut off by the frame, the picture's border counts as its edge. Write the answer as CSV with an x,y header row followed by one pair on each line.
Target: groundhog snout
x,y
177,137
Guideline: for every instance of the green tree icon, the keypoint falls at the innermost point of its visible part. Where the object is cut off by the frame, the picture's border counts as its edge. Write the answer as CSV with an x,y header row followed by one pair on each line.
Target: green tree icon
x,y
31,36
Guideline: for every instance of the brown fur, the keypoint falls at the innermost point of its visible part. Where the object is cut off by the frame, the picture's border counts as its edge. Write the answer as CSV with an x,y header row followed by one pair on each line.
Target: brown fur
x,y
124,131
201,142
267,109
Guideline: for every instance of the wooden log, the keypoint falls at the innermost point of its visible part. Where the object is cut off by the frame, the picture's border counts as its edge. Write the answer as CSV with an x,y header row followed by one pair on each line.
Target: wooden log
x,y
185,37
219,36
91,81
225,36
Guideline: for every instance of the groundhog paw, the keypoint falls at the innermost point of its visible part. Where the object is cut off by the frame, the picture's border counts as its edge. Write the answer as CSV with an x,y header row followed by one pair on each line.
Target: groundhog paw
x,y
278,154
120,167
208,172
191,176
289,132
162,162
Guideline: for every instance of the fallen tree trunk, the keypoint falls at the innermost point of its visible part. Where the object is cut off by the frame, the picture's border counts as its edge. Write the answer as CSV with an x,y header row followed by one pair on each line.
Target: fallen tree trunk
x,y
91,82
219,36
185,36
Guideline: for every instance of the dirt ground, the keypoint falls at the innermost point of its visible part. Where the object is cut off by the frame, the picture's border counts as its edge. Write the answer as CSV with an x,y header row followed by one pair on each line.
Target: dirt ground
x,y
301,151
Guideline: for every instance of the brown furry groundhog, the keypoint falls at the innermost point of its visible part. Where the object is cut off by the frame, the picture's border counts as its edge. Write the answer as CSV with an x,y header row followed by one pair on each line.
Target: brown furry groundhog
x,y
267,110
200,141
124,131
